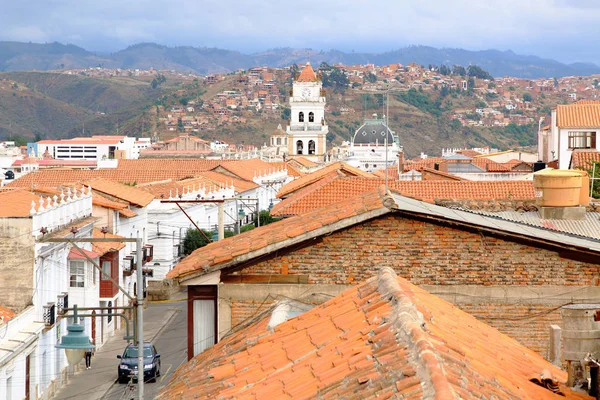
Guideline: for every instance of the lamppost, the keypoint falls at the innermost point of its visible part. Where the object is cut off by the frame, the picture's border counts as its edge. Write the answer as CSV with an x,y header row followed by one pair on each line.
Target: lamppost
x,y
75,342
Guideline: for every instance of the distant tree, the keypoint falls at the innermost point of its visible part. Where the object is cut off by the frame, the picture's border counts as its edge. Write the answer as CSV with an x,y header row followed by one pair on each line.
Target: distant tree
x,y
455,124
184,101
444,91
15,85
370,77
285,113
478,72
444,70
336,79
527,97
491,85
480,104
324,66
511,88
471,84
459,70
330,137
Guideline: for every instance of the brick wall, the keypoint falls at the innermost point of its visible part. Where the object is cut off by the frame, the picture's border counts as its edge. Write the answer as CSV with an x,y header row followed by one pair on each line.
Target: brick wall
x,y
428,253
243,311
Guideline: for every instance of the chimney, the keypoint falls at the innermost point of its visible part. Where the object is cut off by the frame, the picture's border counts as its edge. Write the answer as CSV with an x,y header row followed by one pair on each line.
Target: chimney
x,y
561,194
400,162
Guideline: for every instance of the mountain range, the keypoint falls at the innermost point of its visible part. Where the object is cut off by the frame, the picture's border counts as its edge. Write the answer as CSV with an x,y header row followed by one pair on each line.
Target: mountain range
x,y
18,56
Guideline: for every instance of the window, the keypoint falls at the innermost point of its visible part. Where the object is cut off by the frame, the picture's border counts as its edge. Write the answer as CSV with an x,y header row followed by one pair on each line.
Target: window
x,y
301,117
109,318
582,140
299,147
105,270
311,117
77,273
278,141
311,147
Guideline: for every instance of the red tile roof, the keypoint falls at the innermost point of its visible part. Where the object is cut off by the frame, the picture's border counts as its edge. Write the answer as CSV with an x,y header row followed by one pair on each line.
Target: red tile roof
x,y
6,314
444,175
101,201
584,159
335,190
229,251
578,115
121,191
305,162
101,248
307,74
385,338
17,203
246,169
75,254
339,168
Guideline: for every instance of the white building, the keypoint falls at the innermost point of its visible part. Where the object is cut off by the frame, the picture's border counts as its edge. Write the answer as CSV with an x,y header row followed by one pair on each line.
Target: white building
x,y
574,126
307,132
90,148
368,148
37,281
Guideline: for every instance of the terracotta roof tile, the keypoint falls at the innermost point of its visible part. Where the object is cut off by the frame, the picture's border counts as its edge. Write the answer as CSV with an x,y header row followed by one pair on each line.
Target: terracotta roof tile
x,y
584,159
127,213
121,191
335,190
578,115
102,201
75,254
402,343
104,247
246,169
16,203
307,74
442,174
339,167
6,314
228,251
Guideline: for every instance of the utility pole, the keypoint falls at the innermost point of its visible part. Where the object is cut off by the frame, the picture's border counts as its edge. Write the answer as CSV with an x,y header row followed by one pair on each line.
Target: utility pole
x,y
138,303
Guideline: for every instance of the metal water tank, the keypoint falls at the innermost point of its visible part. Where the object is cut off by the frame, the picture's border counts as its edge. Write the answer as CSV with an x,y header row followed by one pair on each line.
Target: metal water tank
x,y
581,331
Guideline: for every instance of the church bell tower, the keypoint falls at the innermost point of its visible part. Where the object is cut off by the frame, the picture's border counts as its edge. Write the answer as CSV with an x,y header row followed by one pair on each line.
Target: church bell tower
x,y
307,131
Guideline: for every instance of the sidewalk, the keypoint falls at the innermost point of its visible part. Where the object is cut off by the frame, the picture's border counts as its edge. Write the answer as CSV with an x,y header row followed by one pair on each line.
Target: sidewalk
x,y
94,383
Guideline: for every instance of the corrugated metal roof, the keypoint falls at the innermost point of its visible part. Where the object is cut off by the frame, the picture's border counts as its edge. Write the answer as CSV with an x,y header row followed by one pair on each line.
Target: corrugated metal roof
x,y
491,220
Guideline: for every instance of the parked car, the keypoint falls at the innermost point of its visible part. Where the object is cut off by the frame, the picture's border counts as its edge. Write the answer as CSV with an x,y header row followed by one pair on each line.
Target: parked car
x,y
128,367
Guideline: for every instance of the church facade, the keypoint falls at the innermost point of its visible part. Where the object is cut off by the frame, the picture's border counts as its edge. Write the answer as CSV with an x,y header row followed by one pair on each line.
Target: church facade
x,y
307,131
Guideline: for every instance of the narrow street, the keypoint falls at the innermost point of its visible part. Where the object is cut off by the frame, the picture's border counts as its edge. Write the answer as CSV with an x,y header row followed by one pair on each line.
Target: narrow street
x,y
171,344
165,326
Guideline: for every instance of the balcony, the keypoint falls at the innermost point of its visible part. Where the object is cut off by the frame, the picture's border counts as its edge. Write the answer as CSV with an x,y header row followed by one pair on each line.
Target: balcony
x,y
49,314
62,303
307,127
149,254
128,265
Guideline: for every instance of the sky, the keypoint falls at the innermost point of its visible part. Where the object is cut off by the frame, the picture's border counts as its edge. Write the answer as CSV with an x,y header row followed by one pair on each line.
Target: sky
x,y
564,30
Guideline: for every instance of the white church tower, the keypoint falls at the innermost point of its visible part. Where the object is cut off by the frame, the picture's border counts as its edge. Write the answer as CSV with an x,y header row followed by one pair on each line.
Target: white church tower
x,y
307,132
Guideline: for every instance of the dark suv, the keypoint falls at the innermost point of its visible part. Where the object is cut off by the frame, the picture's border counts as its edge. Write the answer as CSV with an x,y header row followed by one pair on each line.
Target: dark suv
x,y
128,367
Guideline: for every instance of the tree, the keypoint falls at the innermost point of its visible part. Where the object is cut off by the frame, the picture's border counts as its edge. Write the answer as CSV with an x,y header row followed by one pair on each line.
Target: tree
x,y
194,240
370,77
527,97
444,70
285,113
330,137
459,70
336,79
478,72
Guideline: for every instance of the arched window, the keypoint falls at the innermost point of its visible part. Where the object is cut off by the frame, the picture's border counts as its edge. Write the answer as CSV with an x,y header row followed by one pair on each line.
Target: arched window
x,y
311,147
311,117
301,117
299,146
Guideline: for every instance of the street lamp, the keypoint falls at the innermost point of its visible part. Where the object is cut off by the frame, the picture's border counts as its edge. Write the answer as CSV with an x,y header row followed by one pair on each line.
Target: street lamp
x,y
75,342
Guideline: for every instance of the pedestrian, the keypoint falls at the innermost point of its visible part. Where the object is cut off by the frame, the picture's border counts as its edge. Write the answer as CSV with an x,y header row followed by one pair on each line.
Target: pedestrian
x,y
88,358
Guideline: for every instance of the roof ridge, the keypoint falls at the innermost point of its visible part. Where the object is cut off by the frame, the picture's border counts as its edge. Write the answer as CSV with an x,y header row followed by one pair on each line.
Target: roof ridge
x,y
410,327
